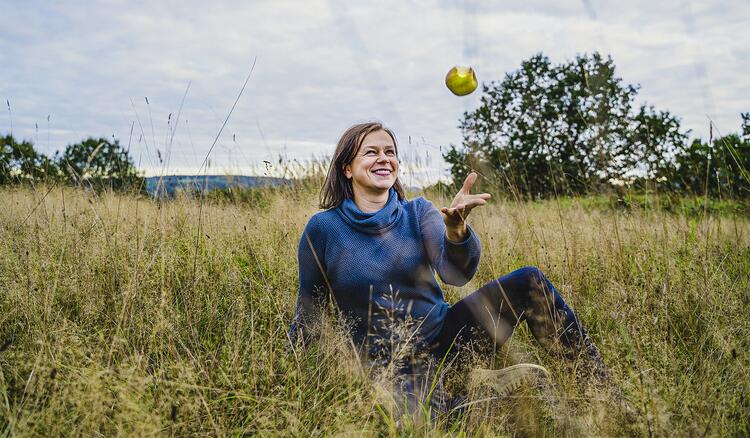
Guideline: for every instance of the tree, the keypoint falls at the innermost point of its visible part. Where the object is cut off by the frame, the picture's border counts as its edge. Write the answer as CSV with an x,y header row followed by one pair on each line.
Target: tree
x,y
655,138
718,169
568,128
99,162
692,166
20,162
731,166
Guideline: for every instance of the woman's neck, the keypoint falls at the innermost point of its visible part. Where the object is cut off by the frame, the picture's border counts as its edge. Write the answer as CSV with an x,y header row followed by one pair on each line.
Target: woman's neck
x,y
370,202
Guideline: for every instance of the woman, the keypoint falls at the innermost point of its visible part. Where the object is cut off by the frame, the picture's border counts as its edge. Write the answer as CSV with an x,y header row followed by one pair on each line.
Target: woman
x,y
372,253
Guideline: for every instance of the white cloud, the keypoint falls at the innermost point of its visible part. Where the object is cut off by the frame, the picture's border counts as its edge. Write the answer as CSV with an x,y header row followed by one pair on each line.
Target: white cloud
x,y
323,65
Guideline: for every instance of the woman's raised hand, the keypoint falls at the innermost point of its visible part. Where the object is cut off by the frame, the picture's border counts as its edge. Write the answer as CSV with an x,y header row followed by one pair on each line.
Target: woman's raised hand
x,y
455,215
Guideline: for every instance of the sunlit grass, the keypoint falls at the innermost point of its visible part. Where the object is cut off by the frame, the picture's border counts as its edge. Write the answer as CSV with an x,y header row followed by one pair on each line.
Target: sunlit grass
x,y
119,315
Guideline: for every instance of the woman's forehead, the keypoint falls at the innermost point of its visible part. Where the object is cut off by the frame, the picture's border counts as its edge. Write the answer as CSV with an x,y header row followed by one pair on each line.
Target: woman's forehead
x,y
377,139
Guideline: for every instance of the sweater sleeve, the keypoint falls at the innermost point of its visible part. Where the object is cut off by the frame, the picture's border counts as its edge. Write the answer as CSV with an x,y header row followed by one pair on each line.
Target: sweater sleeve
x,y
312,295
455,262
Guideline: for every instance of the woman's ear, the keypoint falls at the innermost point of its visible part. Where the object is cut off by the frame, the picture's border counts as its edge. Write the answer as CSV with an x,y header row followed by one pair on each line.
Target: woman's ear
x,y
348,171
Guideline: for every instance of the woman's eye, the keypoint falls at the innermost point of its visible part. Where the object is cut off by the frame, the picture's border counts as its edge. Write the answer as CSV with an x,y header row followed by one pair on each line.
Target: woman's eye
x,y
369,152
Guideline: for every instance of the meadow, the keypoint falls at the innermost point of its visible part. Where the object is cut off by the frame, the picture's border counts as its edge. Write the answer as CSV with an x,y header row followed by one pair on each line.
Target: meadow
x,y
122,315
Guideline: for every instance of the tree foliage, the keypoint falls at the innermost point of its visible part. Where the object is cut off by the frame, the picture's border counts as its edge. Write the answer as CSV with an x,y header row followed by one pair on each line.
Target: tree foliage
x,y
718,169
20,162
568,129
95,163
98,161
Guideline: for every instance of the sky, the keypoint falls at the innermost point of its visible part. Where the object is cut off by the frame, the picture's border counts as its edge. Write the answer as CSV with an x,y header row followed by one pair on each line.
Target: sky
x,y
171,71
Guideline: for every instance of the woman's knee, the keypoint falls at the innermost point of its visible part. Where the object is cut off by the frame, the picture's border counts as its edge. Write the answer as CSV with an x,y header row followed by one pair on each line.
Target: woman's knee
x,y
524,285
532,274
541,290
532,285
523,279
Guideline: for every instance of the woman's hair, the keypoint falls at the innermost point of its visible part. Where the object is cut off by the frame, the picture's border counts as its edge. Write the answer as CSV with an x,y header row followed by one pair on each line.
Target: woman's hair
x,y
337,187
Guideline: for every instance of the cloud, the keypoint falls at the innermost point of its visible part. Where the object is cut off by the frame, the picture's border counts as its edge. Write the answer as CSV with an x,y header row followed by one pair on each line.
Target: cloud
x,y
325,64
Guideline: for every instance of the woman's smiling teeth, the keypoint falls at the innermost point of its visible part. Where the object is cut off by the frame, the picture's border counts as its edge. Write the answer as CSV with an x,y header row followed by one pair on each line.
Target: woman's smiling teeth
x,y
382,172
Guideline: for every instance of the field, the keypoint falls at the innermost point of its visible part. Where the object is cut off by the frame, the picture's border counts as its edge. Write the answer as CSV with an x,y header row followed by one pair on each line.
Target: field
x,y
123,316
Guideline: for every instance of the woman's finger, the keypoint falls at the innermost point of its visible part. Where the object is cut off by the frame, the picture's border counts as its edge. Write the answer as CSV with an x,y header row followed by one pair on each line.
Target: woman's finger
x,y
452,213
468,182
479,201
464,199
471,205
484,196
463,206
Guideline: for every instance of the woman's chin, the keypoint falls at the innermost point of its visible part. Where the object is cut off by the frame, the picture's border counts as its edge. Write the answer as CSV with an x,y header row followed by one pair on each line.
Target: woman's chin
x,y
383,188
384,183
388,185
375,186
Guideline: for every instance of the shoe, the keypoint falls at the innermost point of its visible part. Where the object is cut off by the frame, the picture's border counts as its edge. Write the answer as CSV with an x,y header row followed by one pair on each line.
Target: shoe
x,y
507,380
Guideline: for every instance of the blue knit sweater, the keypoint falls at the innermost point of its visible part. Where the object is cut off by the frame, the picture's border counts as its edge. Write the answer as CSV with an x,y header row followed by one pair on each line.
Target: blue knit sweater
x,y
379,270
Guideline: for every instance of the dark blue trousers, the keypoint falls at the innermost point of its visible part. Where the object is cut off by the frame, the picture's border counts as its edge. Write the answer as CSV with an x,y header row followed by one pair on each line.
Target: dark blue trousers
x,y
487,318
490,314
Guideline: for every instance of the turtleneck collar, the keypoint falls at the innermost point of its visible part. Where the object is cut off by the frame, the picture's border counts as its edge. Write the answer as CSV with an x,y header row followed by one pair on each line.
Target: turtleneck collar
x,y
372,223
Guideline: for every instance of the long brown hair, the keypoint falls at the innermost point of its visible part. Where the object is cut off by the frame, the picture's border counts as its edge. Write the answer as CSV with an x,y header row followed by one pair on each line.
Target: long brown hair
x,y
337,187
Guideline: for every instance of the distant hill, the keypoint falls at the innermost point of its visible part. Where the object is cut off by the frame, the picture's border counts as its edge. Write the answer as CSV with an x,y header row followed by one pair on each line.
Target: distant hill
x,y
169,184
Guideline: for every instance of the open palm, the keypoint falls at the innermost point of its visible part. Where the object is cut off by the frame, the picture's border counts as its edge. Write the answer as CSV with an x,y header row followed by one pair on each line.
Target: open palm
x,y
463,203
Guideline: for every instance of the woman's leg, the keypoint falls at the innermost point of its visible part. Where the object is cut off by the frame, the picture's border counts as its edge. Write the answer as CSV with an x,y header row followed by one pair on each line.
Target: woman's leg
x,y
496,308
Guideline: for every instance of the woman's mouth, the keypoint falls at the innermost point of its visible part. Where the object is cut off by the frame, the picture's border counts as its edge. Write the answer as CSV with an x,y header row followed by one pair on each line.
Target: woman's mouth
x,y
382,172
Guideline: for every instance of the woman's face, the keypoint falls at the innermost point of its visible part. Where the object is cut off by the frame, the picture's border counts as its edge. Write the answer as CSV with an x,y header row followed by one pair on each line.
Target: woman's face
x,y
375,166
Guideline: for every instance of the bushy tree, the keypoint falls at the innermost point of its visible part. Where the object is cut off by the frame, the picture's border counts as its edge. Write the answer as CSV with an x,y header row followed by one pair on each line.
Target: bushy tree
x,y
567,128
718,169
20,162
99,162
655,139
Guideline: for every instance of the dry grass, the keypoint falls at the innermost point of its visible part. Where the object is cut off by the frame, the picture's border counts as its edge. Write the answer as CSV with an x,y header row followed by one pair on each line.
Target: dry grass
x,y
118,317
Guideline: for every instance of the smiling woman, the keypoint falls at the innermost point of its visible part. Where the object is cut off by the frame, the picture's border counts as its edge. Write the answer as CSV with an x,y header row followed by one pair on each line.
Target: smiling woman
x,y
373,171
339,184
374,255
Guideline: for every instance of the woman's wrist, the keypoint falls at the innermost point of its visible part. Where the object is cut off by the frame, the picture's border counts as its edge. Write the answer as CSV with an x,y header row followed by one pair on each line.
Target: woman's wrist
x,y
457,233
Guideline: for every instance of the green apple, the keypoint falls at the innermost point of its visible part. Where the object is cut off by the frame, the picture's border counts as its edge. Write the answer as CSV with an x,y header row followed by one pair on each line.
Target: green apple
x,y
461,80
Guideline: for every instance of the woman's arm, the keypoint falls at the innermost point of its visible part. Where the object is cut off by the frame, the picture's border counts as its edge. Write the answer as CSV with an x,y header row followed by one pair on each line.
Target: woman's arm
x,y
313,287
452,245
456,262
